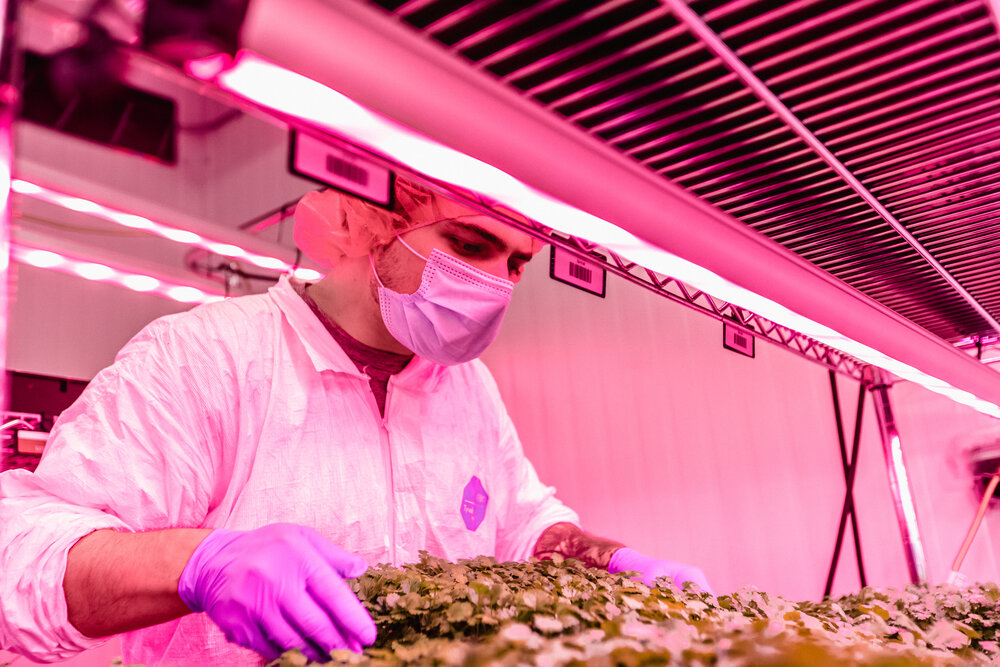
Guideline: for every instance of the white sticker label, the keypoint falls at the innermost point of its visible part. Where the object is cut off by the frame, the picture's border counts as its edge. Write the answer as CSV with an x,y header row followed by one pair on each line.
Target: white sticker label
x,y
566,267
341,169
31,442
737,340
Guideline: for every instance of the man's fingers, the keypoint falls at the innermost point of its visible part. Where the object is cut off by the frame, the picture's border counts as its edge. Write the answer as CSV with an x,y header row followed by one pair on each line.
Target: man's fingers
x,y
281,632
256,639
340,603
346,564
313,624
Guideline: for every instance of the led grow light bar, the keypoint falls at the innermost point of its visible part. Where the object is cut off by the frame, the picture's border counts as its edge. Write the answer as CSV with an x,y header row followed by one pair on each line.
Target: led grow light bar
x,y
271,86
106,273
160,229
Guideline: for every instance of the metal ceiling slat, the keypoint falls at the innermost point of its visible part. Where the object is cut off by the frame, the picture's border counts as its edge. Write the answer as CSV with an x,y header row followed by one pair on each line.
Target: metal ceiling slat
x,y
553,31
789,192
762,173
663,114
968,187
967,158
786,10
681,132
796,209
661,38
667,159
683,171
883,91
964,134
866,81
946,104
934,231
789,159
976,265
817,236
556,60
747,189
520,14
623,79
797,49
952,213
780,229
807,68
672,158
647,44
934,126
410,6
629,95
772,223
457,15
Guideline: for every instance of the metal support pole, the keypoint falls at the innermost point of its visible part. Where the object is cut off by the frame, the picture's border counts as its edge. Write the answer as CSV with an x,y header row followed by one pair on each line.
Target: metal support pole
x,y
9,103
899,483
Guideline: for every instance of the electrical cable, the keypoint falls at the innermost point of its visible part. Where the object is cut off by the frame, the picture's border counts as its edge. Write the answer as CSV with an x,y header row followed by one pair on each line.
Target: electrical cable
x,y
954,576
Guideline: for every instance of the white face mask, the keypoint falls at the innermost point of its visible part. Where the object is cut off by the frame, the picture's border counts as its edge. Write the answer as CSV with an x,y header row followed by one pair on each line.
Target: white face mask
x,y
455,313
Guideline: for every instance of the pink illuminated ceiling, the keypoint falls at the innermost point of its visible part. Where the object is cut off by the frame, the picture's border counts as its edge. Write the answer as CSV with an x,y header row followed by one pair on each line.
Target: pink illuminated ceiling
x,y
905,204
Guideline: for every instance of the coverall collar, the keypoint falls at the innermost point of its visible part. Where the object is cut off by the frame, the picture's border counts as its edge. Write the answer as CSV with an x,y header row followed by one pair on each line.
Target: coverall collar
x,y
327,355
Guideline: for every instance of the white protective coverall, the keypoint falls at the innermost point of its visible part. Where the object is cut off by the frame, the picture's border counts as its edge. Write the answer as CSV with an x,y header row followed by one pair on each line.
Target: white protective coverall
x,y
247,412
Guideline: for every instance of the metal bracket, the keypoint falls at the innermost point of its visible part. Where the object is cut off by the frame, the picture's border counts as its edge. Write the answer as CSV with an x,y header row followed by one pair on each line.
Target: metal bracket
x,y
850,468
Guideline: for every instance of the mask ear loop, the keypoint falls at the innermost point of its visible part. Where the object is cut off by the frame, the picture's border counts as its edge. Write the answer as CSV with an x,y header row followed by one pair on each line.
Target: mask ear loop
x,y
399,237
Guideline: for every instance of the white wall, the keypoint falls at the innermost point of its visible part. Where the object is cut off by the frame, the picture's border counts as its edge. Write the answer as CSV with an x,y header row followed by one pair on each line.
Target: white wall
x,y
661,438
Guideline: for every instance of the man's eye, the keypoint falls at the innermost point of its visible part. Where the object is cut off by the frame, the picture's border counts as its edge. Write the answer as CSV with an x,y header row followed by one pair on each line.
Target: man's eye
x,y
467,248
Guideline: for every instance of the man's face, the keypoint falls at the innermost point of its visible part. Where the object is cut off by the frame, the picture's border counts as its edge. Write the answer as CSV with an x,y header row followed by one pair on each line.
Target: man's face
x,y
478,240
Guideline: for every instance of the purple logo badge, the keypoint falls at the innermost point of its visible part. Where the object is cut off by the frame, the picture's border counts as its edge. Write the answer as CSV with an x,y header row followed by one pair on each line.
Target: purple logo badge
x,y
474,500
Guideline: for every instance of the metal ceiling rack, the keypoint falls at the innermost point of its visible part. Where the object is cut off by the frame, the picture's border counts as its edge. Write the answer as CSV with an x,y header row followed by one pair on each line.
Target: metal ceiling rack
x,y
869,146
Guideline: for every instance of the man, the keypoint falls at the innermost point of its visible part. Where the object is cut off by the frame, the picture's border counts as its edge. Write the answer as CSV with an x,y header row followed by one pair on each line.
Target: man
x,y
244,458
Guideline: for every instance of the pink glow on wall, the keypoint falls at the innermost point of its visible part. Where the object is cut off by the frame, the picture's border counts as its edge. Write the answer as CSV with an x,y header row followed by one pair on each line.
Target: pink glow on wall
x,y
46,259
160,229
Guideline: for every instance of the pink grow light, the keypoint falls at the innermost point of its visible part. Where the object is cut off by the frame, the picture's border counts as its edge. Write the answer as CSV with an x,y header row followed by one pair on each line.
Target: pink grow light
x,y
160,229
46,259
272,86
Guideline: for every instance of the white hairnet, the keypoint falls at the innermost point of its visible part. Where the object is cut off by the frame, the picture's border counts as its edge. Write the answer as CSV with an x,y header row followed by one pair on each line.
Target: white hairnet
x,y
331,225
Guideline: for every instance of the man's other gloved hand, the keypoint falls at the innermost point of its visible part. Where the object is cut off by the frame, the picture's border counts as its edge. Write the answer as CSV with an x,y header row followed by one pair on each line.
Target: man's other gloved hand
x,y
651,569
277,588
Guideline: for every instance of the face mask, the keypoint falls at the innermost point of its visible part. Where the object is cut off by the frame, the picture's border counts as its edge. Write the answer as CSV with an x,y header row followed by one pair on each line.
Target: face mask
x,y
455,313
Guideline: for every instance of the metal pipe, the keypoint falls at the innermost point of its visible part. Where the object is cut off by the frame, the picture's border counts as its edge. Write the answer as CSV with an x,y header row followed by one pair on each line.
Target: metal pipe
x,y
899,483
722,51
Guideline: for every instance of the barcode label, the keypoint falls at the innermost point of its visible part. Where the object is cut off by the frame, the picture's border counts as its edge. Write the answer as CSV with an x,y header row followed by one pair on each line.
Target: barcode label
x,y
737,340
328,163
345,169
566,267
581,272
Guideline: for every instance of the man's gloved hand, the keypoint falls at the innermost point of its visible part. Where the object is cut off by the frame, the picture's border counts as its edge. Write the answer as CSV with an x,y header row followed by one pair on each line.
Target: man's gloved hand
x,y
651,569
277,588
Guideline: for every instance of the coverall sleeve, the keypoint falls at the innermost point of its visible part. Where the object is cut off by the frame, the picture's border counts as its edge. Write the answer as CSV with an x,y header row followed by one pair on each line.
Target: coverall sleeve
x,y
530,506
136,452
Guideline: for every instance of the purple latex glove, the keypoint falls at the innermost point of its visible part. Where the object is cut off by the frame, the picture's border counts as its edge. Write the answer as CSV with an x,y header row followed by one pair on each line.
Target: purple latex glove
x,y
277,588
651,569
